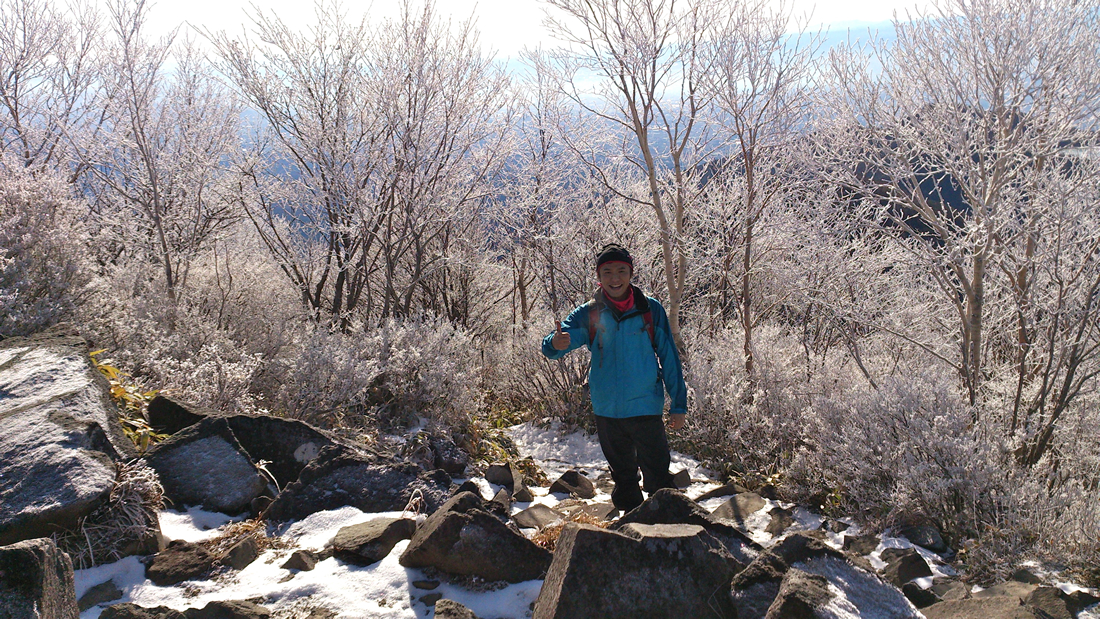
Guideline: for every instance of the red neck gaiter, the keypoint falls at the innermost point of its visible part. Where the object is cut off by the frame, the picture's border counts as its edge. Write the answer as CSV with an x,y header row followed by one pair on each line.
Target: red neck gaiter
x,y
624,305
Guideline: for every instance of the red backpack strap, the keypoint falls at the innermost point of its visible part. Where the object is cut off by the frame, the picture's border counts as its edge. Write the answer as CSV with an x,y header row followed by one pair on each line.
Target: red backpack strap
x,y
593,321
647,316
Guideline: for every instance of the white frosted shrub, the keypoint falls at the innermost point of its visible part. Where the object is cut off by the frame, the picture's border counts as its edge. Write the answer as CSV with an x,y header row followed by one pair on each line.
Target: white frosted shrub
x,y
388,375
745,426
218,345
43,264
520,375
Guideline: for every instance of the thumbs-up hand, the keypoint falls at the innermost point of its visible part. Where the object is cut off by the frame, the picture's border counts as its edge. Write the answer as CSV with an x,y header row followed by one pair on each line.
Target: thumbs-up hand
x,y
561,338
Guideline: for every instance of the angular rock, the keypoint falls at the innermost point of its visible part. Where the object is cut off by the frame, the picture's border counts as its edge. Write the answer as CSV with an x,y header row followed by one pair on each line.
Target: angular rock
x,y
179,562
800,595
1014,589
948,589
1024,575
206,465
461,537
1080,600
301,560
59,435
667,506
449,456
682,479
169,415
130,610
242,554
232,609
509,476
925,536
755,588
537,516
468,486
100,594
370,542
431,598
740,507
903,565
861,544
341,476
573,483
36,581
726,490
287,445
450,609
426,585
781,520
601,511
656,571
501,502
1051,603
992,607
921,598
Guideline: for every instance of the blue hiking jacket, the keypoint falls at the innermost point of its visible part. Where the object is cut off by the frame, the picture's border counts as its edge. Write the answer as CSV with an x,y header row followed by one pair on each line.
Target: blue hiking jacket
x,y
624,377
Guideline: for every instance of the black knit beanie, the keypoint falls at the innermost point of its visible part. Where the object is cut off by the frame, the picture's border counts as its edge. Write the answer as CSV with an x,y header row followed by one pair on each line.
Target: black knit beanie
x,y
613,252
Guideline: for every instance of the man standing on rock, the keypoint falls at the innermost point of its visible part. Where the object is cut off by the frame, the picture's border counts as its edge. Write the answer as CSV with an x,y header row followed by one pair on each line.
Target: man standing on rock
x,y
634,360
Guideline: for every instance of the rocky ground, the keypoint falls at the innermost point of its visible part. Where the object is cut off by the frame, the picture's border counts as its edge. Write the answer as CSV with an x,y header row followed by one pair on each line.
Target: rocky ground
x,y
327,527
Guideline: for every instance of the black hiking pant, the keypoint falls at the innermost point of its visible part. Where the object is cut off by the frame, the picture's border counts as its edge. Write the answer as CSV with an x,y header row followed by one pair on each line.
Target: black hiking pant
x,y
629,443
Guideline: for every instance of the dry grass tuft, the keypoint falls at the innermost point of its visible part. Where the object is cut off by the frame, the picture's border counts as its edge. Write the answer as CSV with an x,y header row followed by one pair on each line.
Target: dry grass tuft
x,y
548,537
236,532
120,526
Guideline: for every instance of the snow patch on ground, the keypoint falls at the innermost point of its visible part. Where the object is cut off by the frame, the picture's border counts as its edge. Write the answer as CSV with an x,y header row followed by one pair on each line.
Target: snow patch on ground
x,y
383,590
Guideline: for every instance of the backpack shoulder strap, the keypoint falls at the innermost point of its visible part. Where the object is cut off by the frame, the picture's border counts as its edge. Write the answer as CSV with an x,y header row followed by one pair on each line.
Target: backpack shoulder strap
x,y
593,320
647,316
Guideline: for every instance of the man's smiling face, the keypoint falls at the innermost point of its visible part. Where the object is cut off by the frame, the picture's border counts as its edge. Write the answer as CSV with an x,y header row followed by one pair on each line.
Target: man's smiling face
x,y
615,279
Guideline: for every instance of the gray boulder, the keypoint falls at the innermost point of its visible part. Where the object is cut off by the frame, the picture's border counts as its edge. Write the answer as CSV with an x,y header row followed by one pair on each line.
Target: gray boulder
x,y
801,595
100,594
287,445
573,483
653,571
903,565
756,589
169,415
179,562
448,456
130,610
450,609
232,609
994,607
861,544
370,542
343,476
537,516
242,554
926,536
725,490
36,582
668,506
509,476
740,507
59,435
206,465
462,537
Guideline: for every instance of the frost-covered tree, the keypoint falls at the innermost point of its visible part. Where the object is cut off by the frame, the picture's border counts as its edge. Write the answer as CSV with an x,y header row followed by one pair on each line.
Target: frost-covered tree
x,y
762,80
156,168
963,129
374,143
637,67
50,83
